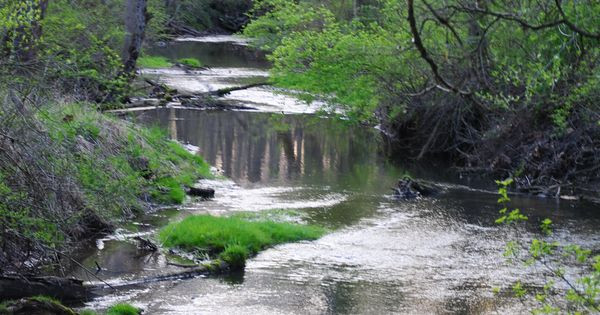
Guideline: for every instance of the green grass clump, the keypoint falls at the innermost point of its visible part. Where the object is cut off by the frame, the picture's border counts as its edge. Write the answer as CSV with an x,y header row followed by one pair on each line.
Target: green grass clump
x,y
190,62
153,62
169,191
235,256
233,239
123,309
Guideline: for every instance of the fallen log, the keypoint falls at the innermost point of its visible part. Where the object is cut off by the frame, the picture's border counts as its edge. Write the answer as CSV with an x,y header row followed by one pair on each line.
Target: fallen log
x,y
215,267
207,102
225,91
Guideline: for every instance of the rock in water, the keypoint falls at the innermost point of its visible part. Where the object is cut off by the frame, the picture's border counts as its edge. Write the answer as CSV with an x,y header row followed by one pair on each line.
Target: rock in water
x,y
409,188
205,193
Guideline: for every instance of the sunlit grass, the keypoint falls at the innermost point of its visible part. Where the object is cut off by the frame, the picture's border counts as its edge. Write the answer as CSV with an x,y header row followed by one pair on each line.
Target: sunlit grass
x,y
190,62
123,309
233,239
153,62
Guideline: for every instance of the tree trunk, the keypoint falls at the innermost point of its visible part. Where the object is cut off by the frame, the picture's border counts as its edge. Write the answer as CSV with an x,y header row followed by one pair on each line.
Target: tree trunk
x,y
136,20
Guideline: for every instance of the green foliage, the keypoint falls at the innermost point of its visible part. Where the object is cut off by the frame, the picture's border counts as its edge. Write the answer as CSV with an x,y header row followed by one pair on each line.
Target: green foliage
x,y
169,190
553,257
153,62
123,309
233,239
83,40
514,215
542,79
210,14
97,170
190,62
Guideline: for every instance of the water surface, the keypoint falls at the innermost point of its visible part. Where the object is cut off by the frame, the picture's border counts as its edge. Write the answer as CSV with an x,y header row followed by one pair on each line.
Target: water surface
x,y
434,255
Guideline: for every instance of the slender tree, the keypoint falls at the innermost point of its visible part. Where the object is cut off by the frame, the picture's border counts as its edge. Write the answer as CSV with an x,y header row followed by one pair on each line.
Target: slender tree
x,y
136,20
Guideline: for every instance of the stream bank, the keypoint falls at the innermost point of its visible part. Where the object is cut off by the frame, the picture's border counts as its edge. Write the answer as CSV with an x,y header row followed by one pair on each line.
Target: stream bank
x,y
430,255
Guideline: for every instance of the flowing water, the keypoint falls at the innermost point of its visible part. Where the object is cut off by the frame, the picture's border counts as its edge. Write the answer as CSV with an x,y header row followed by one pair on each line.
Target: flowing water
x,y
433,255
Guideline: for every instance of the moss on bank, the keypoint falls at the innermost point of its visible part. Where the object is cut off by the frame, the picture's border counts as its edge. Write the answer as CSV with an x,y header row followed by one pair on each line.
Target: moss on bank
x,y
233,239
73,172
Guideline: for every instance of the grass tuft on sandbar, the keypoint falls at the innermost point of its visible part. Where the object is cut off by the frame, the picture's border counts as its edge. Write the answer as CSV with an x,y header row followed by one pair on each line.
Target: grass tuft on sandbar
x,y
233,239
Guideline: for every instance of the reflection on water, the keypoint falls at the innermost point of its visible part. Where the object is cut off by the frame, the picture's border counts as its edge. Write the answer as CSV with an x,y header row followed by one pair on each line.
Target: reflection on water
x,y
260,148
214,54
439,255
435,255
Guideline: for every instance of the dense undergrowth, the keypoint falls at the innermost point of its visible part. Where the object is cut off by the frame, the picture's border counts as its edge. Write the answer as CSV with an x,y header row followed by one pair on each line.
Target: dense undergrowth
x,y
68,172
233,239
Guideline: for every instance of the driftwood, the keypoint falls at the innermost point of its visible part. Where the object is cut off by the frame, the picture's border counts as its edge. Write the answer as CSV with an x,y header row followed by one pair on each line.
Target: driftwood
x,y
64,289
146,244
216,267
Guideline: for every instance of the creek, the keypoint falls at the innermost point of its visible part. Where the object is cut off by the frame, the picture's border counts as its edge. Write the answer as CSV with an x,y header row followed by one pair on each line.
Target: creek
x,y
432,255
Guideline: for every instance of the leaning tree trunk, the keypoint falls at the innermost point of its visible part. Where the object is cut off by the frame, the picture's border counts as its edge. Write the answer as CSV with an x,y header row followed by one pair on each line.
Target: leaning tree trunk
x,y
136,19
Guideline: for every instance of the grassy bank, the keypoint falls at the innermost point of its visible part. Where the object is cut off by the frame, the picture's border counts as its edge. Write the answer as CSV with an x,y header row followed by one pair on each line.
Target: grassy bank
x,y
157,62
233,239
153,62
47,305
70,172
